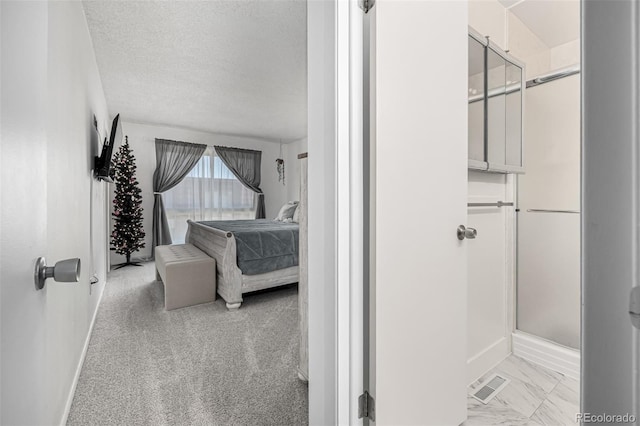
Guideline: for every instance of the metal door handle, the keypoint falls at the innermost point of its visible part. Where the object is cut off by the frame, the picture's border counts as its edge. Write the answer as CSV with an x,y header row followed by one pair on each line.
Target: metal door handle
x,y
464,232
65,271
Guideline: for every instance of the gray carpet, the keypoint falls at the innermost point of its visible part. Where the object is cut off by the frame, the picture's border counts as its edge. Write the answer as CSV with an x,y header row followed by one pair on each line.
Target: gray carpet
x,y
201,365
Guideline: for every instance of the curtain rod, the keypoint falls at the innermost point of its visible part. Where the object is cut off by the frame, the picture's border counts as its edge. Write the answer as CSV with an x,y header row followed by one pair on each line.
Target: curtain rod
x,y
233,148
546,78
554,75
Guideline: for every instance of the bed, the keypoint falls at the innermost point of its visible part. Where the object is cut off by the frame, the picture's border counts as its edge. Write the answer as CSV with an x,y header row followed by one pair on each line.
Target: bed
x,y
250,254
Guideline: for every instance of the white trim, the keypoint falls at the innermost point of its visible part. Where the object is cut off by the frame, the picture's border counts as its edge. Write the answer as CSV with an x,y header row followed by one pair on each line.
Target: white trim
x,y
332,240
356,207
511,256
83,355
490,357
343,211
548,354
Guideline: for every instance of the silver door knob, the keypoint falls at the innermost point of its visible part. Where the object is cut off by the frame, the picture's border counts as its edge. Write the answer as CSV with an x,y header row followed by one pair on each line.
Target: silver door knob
x,y
66,271
464,232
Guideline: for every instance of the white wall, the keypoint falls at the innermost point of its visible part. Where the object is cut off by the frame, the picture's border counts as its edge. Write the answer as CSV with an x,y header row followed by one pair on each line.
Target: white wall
x,y
489,283
526,46
488,17
565,54
39,373
539,58
142,141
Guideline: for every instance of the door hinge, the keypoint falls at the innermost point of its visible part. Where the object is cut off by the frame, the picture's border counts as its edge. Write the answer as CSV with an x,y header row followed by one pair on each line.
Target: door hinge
x,y
366,5
366,406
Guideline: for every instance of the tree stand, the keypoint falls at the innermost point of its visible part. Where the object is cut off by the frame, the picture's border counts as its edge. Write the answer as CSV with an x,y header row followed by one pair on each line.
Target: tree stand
x,y
127,263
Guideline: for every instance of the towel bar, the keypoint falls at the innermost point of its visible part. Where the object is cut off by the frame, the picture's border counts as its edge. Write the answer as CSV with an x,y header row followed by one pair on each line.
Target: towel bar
x,y
496,204
552,211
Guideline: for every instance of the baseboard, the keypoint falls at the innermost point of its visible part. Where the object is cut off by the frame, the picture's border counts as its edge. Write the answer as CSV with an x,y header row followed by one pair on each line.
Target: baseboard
x,y
487,359
548,354
76,377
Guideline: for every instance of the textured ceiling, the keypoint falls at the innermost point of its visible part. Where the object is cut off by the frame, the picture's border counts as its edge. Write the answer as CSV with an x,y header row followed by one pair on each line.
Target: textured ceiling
x,y
231,67
555,22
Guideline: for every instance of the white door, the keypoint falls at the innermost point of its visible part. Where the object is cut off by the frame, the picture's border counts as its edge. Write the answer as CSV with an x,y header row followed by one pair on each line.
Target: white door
x,y
419,195
23,224
610,210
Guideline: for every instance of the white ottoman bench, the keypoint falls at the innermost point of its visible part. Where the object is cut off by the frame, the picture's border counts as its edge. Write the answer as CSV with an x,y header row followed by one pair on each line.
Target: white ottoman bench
x,y
188,274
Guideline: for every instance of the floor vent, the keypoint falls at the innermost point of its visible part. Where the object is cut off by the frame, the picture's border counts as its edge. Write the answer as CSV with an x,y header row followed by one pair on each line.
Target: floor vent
x,y
490,388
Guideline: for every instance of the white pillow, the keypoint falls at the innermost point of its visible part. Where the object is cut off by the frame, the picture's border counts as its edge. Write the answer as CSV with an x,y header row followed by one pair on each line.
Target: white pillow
x,y
286,211
296,214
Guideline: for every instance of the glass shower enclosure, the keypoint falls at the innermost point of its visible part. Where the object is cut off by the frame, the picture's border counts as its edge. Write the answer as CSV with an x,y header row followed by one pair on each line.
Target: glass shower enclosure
x,y
548,230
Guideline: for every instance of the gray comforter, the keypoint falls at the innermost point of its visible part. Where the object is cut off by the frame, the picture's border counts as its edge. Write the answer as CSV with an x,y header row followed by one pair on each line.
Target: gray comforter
x,y
263,245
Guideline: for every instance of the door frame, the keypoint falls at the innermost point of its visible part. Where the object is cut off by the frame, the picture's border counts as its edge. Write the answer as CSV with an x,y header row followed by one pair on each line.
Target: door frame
x,y
610,347
334,67
334,309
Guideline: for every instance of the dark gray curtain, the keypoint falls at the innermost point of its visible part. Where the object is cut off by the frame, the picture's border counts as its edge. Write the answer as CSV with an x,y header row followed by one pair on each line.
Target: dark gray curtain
x,y
245,165
174,160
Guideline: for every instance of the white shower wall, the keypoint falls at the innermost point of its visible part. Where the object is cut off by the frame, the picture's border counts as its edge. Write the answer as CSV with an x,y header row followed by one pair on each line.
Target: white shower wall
x,y
490,273
489,284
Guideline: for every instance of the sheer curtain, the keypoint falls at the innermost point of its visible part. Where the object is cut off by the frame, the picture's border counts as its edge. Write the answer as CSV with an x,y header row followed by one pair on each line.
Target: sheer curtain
x,y
209,192
173,161
245,165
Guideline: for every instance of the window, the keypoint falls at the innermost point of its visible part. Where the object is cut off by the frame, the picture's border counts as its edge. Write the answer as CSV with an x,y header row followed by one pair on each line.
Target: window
x,y
209,192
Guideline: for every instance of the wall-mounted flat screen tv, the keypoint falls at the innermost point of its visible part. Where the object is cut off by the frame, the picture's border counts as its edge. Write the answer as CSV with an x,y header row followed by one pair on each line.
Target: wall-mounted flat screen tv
x,y
103,163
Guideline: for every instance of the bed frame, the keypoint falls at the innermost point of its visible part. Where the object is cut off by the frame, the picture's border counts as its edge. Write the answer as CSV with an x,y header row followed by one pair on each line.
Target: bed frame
x,y
232,284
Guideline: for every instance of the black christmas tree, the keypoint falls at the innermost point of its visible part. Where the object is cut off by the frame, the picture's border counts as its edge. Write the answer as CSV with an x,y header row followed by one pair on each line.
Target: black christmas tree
x,y
128,235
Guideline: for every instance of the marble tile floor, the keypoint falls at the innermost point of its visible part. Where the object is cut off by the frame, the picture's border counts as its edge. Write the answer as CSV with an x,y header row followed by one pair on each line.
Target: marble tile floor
x,y
535,396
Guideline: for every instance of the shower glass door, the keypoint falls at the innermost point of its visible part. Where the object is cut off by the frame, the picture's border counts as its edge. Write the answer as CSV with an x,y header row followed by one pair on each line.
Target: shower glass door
x,y
548,289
